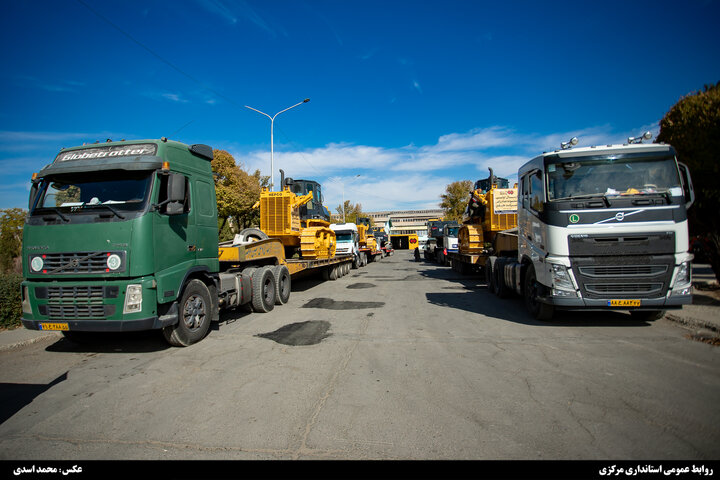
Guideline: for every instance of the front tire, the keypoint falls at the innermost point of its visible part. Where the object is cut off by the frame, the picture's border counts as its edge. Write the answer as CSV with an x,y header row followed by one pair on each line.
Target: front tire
x,y
194,316
539,311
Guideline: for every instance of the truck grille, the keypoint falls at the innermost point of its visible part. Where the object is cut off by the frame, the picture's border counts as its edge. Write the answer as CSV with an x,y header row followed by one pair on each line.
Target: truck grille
x,y
623,270
623,276
57,312
611,289
76,302
70,293
79,262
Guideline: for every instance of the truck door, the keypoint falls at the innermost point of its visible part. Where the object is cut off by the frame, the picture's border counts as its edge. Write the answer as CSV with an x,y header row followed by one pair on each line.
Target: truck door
x,y
174,238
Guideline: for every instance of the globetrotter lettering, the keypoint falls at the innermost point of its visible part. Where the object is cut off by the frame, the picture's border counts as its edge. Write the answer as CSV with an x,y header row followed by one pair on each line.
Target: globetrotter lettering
x,y
109,152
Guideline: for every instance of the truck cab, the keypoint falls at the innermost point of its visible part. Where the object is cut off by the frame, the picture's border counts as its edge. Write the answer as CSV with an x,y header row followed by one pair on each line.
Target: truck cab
x,y
603,228
115,232
347,238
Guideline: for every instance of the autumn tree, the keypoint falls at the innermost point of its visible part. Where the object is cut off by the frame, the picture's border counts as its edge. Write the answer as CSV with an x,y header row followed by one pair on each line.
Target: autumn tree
x,y
455,199
236,192
11,233
352,212
692,127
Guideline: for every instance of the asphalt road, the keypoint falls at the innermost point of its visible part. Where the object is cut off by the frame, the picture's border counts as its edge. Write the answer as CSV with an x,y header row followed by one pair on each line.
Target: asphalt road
x,y
397,360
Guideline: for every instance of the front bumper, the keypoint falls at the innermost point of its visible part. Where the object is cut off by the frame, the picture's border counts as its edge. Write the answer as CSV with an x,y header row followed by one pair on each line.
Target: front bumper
x,y
93,305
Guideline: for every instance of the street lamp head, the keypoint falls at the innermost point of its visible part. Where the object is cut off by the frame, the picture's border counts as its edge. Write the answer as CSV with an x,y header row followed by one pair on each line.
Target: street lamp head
x,y
306,100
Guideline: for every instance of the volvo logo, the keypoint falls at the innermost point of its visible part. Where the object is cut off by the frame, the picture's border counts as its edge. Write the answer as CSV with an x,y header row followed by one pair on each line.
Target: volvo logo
x,y
620,216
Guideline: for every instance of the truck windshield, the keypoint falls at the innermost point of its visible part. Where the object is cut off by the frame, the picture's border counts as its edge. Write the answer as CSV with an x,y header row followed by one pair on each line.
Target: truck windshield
x,y
117,190
343,237
452,231
610,176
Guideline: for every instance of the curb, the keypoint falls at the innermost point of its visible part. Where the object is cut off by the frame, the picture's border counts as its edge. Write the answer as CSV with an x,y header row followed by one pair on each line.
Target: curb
x,y
693,322
28,341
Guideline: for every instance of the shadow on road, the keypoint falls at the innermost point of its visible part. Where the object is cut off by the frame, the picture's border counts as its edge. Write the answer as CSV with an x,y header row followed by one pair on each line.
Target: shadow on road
x,y
15,396
113,342
513,310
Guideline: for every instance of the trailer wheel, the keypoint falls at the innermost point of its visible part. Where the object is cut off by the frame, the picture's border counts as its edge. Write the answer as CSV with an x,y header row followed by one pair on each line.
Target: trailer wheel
x,y
644,315
539,311
489,276
356,262
333,272
253,235
263,290
282,284
499,288
194,316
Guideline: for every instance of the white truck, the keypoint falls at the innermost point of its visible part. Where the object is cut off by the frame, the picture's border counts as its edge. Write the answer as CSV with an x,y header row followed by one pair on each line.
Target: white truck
x,y
600,228
347,237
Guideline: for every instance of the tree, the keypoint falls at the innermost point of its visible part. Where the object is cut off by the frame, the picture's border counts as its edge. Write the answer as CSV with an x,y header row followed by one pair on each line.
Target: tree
x,y
455,199
352,212
11,233
692,126
236,192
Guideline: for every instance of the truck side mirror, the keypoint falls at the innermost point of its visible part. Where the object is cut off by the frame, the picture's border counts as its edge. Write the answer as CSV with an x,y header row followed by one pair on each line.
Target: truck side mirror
x,y
176,187
33,195
688,191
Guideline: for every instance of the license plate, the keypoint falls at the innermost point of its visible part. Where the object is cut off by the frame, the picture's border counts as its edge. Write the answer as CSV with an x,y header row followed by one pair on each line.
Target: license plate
x,y
54,326
623,303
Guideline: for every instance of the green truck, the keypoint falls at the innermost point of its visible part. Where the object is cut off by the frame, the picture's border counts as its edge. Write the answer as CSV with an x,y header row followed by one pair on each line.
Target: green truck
x,y
123,236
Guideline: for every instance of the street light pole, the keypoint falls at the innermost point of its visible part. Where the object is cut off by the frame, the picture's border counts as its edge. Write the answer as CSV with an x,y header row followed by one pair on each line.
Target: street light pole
x,y
272,148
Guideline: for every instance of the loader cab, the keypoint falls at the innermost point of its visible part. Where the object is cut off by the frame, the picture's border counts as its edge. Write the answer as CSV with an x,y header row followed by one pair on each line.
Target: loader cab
x,y
314,209
487,183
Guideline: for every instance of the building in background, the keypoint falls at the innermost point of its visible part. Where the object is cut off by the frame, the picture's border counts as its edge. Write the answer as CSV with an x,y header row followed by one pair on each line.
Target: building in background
x,y
404,222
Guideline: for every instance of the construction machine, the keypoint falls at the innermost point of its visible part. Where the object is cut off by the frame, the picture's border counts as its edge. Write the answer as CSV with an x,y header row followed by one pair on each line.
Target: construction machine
x,y
298,218
492,208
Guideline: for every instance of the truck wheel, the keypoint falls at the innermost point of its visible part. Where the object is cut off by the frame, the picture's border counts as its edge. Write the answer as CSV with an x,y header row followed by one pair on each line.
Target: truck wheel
x,y
194,316
499,288
539,311
282,284
253,235
489,276
644,315
356,262
263,290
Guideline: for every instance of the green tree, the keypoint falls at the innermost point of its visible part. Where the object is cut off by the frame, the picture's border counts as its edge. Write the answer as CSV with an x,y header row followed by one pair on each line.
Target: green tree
x,y
11,232
352,212
455,199
236,192
692,126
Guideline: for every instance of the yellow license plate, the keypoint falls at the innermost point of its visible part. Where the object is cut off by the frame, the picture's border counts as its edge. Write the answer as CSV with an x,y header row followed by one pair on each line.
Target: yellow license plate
x,y
54,326
623,303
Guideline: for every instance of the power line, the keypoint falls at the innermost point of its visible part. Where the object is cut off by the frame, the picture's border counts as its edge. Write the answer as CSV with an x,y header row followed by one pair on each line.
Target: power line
x,y
156,55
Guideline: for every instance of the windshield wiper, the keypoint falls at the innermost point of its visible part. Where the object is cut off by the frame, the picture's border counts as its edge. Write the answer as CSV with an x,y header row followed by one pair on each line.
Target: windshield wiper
x,y
56,211
586,196
106,206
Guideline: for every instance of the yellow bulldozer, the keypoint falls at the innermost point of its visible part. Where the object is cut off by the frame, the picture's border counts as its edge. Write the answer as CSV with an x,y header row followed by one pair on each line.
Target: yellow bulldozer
x,y
492,208
297,217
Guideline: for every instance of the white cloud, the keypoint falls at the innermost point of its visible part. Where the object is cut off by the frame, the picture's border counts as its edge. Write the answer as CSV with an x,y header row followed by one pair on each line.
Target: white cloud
x,y
415,176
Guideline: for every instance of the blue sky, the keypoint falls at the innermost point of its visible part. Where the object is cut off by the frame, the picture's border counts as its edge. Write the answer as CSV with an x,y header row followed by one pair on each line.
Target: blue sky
x,y
410,95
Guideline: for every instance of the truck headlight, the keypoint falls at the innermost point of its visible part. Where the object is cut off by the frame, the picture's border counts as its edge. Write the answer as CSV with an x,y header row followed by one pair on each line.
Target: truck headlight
x,y
683,276
133,299
561,277
113,261
36,264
